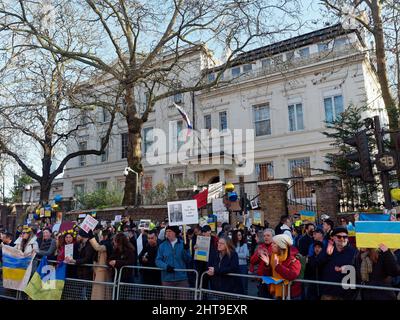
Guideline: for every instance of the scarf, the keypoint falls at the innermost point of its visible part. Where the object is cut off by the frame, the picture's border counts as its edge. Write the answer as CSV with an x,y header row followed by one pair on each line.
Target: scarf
x,y
276,289
366,267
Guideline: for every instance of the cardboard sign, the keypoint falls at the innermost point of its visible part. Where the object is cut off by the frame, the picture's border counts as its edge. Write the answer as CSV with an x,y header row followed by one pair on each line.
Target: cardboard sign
x,y
89,223
214,191
144,224
203,248
69,250
182,213
218,205
203,221
257,217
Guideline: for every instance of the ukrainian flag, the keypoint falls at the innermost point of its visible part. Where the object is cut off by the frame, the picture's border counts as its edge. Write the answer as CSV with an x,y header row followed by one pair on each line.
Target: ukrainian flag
x,y
47,282
370,234
307,215
17,268
374,217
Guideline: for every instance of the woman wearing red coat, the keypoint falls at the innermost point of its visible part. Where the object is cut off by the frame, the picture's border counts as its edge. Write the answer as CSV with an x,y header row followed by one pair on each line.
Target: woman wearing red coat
x,y
283,264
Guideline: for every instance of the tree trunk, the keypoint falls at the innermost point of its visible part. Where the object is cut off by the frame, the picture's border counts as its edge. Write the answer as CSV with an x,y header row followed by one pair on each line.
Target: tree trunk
x,y
134,151
45,183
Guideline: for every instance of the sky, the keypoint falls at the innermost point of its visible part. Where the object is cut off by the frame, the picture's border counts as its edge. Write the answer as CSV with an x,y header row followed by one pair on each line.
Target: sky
x,y
313,20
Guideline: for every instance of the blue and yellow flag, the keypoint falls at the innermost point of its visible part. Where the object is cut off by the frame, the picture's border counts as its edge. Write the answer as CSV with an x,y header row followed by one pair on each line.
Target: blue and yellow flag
x,y
17,268
307,215
374,217
370,234
47,282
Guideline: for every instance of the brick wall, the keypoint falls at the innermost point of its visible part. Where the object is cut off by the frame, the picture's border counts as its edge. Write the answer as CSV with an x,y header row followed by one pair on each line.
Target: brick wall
x,y
273,200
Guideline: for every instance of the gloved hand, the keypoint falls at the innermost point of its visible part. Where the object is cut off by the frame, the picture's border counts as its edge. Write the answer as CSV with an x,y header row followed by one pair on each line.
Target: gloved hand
x,y
90,234
170,269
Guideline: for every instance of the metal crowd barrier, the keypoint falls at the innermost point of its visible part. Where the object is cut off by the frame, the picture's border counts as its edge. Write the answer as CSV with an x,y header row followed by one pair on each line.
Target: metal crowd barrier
x,y
207,294
144,291
78,289
351,286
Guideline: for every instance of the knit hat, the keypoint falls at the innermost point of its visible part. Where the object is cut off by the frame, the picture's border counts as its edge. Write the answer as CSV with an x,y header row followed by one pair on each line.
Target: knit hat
x,y
283,241
339,230
175,229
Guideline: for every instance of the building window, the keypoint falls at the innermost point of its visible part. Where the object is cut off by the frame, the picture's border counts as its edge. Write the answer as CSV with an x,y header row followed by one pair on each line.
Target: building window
x,y
333,108
339,43
247,67
82,158
175,178
84,117
124,145
266,63
147,183
296,117
322,47
265,171
106,115
179,128
300,168
223,121
178,98
211,77
104,156
304,52
235,72
289,55
207,121
79,189
101,185
262,120
148,138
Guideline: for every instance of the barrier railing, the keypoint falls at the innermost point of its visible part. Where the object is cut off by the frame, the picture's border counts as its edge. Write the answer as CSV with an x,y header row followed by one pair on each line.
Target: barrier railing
x,y
208,294
350,286
146,291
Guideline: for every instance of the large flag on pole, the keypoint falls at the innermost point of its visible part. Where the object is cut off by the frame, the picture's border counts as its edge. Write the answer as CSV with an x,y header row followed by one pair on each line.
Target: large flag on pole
x,y
47,282
201,198
184,116
17,268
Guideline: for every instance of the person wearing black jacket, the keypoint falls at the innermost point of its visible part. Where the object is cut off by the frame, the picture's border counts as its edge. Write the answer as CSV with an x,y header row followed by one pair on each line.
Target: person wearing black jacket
x,y
124,254
147,258
311,291
331,261
378,267
306,240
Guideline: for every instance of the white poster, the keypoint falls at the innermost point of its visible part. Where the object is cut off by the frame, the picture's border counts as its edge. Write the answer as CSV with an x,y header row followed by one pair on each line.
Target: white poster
x,y
89,223
144,224
214,191
69,250
202,248
218,205
182,213
118,218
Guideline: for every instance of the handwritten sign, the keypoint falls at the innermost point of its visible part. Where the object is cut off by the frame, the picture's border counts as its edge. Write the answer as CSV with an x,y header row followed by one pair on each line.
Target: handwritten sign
x,y
202,248
89,223
69,250
182,213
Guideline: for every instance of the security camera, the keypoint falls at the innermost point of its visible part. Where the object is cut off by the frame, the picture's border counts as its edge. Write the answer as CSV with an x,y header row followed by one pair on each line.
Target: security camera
x,y
242,163
126,172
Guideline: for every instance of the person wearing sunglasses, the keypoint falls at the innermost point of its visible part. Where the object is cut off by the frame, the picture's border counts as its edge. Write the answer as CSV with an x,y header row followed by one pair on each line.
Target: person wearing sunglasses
x,y
332,262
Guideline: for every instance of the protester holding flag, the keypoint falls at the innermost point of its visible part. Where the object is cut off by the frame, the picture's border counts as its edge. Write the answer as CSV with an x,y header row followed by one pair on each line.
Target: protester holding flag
x,y
378,267
284,265
27,243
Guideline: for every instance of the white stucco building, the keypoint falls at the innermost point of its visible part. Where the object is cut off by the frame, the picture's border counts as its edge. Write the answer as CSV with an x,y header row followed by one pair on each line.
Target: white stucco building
x,y
284,91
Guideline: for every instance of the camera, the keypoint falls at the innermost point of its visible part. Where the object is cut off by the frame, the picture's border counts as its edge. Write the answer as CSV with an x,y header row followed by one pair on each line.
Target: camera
x,y
126,172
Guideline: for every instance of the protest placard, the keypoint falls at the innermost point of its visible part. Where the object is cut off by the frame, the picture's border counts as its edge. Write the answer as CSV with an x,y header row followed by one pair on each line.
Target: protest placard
x,y
202,248
118,218
218,205
182,213
214,191
89,223
144,224
69,250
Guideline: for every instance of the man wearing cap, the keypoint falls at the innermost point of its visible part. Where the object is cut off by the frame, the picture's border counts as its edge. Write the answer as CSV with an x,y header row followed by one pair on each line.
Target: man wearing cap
x,y
331,262
173,254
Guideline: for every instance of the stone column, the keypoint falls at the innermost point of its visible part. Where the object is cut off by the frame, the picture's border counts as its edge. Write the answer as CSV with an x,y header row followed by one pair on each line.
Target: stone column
x,y
222,175
327,194
273,196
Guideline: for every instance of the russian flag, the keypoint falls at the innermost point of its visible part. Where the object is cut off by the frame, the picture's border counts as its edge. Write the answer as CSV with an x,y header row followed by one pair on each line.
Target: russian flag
x,y
184,116
370,234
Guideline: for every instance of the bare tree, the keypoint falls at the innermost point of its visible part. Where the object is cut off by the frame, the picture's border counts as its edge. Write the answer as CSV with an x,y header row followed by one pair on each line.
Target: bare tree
x,y
142,45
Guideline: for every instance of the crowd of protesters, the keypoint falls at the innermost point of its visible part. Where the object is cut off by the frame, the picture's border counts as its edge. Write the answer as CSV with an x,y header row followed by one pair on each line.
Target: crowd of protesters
x,y
293,250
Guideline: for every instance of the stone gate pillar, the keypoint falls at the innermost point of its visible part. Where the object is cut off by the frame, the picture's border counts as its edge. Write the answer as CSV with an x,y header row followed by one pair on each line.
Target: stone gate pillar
x,y
327,194
273,196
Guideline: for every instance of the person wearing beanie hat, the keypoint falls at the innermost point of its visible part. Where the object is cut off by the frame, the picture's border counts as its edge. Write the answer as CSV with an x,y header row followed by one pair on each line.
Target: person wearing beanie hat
x,y
283,264
173,254
337,254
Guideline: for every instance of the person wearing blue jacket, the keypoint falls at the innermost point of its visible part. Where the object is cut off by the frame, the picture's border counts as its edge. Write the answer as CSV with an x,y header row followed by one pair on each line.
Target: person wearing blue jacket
x,y
173,254
331,262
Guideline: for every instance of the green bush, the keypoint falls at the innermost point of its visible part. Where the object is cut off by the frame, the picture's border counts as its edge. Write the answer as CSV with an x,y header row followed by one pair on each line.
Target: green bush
x,y
100,199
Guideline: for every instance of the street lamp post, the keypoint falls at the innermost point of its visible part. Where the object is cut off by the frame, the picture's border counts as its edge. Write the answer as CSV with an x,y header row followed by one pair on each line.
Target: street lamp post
x,y
126,172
